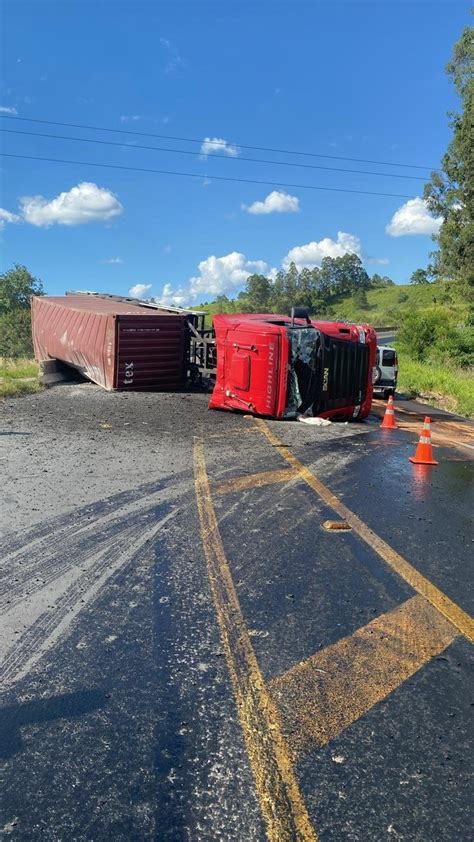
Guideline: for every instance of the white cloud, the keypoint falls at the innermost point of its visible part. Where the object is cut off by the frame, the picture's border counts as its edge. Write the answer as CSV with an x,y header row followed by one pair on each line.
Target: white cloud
x,y
217,276
171,297
218,144
275,202
412,218
112,260
312,254
82,204
6,216
132,118
8,109
139,290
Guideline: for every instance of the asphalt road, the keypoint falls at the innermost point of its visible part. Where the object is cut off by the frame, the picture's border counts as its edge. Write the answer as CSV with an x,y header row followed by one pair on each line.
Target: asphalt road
x,y
189,654
385,337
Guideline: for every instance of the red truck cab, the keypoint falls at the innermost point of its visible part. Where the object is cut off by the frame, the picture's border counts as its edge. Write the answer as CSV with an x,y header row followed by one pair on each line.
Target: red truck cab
x,y
280,367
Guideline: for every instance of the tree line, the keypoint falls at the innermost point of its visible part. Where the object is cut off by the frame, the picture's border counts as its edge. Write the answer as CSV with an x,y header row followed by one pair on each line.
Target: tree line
x,y
318,289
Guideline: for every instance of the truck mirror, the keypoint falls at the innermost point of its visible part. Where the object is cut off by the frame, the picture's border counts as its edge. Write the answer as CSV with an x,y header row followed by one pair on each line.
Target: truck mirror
x,y
300,313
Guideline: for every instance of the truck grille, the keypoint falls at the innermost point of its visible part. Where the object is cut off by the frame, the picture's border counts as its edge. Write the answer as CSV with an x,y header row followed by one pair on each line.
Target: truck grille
x,y
345,373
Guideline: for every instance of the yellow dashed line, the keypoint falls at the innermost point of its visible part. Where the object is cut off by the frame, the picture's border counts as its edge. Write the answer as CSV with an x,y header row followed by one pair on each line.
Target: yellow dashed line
x,y
242,483
459,618
281,802
326,693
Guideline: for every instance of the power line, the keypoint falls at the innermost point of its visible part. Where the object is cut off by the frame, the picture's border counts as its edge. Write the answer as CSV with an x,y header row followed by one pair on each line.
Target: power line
x,y
221,157
216,142
211,177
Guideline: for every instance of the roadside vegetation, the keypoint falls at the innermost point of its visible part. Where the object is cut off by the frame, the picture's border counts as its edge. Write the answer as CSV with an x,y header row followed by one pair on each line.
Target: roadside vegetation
x,y
18,377
18,371
449,388
436,360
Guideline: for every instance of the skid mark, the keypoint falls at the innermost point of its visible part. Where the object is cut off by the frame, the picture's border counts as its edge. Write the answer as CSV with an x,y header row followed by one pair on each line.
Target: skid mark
x,y
71,551
69,523
53,624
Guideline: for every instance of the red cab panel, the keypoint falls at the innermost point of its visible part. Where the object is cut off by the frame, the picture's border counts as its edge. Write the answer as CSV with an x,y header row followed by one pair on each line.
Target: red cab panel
x,y
249,364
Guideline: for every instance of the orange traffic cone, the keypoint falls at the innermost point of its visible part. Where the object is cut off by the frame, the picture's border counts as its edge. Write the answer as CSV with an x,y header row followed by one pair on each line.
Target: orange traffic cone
x,y
424,451
388,422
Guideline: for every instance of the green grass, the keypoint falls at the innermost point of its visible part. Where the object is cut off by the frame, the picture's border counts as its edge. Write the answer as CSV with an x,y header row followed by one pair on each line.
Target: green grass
x,y
385,309
18,377
449,388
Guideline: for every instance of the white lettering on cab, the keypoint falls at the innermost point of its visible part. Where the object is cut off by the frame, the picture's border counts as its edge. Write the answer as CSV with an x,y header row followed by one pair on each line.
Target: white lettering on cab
x,y
270,376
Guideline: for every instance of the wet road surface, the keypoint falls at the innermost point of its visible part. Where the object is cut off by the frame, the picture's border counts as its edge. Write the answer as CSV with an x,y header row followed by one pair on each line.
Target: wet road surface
x,y
188,654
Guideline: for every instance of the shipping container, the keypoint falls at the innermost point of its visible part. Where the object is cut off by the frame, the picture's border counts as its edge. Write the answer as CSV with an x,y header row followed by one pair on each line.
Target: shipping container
x,y
117,344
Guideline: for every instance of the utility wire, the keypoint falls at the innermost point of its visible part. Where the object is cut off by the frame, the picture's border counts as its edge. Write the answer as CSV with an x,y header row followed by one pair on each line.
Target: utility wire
x,y
216,142
221,157
211,177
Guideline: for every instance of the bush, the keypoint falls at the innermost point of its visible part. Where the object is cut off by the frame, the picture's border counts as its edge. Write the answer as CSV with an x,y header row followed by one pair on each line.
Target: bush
x,y
435,336
421,331
15,334
456,348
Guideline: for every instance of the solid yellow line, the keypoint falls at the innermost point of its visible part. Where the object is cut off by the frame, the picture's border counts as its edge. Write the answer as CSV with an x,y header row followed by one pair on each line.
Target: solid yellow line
x,y
459,618
324,694
279,795
242,483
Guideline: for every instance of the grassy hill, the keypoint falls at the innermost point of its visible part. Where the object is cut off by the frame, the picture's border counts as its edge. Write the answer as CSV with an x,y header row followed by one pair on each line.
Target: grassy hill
x,y
386,307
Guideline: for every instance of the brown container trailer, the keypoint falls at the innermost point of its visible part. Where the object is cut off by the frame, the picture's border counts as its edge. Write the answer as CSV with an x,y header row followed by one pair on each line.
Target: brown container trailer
x,y
117,344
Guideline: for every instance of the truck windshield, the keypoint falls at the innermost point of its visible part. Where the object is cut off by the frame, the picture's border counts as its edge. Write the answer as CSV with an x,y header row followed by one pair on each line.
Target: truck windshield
x,y
302,370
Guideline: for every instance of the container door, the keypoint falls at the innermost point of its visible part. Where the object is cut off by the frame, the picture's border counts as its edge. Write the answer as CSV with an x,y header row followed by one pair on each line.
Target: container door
x,y
150,352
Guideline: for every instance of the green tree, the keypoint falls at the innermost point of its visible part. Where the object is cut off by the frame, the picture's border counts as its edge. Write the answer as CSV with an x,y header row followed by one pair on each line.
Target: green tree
x,y
419,276
450,193
280,303
379,282
17,285
222,304
307,288
258,291
291,286
15,333
359,297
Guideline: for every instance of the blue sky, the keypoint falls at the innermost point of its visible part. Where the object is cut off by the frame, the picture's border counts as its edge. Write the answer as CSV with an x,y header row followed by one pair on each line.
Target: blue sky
x,y
351,79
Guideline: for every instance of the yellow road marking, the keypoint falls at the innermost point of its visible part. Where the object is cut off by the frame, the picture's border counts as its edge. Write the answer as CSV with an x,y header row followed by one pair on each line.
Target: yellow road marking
x,y
242,483
227,433
326,693
459,618
279,795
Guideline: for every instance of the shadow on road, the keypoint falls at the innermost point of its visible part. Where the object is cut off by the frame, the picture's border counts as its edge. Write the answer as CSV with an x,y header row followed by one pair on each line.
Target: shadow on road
x,y
68,706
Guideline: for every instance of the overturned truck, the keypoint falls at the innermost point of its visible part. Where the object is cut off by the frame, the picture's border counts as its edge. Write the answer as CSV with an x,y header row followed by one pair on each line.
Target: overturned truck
x,y
265,364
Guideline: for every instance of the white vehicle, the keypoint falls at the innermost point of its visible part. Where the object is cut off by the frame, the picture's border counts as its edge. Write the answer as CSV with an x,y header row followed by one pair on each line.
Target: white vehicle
x,y
386,371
